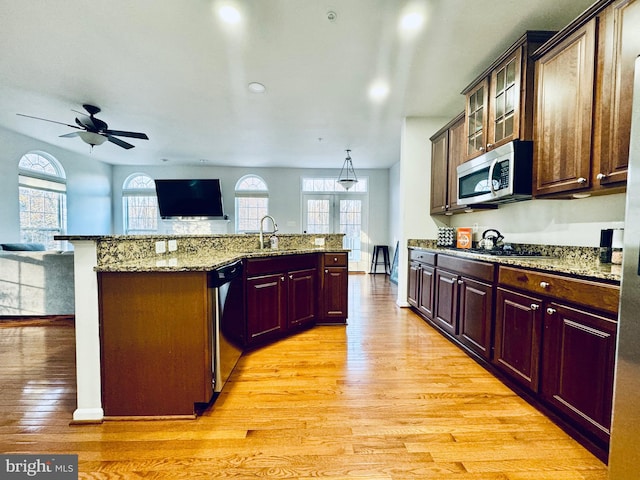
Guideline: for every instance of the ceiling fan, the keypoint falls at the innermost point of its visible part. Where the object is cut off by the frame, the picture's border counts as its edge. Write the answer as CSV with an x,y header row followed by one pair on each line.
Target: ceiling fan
x,y
94,131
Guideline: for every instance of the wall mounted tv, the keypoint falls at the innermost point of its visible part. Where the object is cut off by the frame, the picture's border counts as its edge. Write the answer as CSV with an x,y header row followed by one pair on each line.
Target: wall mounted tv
x,y
189,198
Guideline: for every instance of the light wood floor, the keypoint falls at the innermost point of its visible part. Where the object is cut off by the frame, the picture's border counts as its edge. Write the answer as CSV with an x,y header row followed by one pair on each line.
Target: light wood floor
x,y
384,398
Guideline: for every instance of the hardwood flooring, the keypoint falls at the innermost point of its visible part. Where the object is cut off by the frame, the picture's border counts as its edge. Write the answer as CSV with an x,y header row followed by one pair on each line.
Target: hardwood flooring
x,y
385,398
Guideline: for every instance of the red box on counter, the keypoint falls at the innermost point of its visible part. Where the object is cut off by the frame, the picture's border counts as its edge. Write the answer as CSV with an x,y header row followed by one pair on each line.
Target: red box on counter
x,y
464,238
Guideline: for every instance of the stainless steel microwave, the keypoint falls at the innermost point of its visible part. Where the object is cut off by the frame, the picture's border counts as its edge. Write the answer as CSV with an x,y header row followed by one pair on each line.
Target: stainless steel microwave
x,y
504,174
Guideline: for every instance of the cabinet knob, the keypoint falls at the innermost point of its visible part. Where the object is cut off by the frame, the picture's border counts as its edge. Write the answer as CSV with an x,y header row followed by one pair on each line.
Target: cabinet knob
x,y
335,259
481,149
326,270
535,306
460,282
544,284
551,311
601,176
489,145
282,278
291,277
582,180
443,207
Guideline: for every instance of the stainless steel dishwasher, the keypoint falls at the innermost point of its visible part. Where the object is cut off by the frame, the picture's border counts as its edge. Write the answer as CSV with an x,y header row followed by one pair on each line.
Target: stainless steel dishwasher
x,y
228,301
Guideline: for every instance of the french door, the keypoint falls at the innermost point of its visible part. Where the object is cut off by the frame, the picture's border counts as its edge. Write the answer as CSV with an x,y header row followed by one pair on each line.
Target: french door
x,y
340,213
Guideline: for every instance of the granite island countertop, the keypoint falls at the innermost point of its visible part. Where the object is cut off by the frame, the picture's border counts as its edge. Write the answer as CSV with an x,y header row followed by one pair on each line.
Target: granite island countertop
x,y
183,262
575,265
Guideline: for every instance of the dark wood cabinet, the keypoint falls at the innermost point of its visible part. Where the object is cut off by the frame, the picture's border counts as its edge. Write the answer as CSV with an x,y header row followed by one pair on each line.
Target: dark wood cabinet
x,y
281,296
578,357
618,47
445,304
564,93
475,315
301,295
463,302
155,339
421,282
584,81
334,298
446,154
266,307
499,102
557,336
518,333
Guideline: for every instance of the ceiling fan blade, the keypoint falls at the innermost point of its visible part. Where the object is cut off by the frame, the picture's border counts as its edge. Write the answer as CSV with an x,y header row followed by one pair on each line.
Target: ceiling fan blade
x,y
72,134
47,120
121,133
119,142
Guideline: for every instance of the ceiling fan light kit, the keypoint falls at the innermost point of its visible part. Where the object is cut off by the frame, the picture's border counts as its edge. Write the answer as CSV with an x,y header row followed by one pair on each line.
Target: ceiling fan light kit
x,y
94,131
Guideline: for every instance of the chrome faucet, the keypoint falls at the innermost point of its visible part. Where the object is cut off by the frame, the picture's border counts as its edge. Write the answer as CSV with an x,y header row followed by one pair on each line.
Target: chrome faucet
x,y
275,229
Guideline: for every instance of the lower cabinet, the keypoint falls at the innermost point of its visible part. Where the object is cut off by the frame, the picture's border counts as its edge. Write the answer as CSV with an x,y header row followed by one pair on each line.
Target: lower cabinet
x,y
334,298
155,342
463,301
578,357
518,334
421,282
281,296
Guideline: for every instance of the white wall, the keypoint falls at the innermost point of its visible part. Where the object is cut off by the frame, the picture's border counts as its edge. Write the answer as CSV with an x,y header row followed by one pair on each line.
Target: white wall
x,y
88,187
414,190
285,203
550,222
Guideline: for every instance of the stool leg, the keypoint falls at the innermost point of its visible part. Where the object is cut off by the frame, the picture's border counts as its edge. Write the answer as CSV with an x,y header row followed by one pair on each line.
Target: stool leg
x,y
374,260
387,265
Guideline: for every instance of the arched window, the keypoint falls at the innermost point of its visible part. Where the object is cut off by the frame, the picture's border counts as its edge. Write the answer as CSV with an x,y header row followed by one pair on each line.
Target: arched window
x,y
42,191
139,205
252,203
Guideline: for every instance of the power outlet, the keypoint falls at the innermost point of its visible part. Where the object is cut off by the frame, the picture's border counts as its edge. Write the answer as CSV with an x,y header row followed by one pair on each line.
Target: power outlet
x,y
173,245
474,228
161,246
319,242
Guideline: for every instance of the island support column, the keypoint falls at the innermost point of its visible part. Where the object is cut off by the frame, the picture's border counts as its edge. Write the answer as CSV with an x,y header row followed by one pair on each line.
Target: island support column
x,y
89,394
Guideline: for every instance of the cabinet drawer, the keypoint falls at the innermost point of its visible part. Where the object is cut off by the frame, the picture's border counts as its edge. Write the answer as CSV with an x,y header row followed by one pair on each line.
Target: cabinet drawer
x,y
335,259
470,268
595,295
421,256
279,263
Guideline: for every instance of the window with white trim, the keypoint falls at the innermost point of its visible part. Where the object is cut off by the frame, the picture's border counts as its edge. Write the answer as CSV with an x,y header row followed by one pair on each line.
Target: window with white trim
x,y
42,192
139,205
252,203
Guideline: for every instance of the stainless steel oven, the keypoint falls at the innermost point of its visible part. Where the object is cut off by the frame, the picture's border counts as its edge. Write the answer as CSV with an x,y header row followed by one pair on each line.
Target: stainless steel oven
x,y
504,174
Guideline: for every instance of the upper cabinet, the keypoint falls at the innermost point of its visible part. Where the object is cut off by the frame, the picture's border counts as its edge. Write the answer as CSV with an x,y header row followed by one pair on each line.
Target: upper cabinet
x,y
499,102
584,78
446,154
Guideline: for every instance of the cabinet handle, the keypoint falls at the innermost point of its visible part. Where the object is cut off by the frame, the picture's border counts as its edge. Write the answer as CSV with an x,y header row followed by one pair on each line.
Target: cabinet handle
x,y
582,180
551,311
535,306
544,284
601,176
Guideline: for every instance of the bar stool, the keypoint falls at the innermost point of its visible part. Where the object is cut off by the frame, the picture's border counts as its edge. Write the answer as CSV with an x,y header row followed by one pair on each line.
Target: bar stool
x,y
376,260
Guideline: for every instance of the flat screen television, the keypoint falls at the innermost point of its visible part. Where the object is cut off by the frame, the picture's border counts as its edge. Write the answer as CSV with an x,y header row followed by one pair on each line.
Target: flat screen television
x,y
189,198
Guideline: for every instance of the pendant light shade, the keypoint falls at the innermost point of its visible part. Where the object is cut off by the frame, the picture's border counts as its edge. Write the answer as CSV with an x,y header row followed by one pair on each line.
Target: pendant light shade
x,y
347,177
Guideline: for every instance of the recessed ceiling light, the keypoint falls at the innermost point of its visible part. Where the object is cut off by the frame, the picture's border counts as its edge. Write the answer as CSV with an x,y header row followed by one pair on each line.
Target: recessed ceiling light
x,y
255,87
412,21
378,91
229,14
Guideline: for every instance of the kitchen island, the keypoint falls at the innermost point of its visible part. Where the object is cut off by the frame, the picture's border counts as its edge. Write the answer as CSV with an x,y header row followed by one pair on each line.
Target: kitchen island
x,y
135,258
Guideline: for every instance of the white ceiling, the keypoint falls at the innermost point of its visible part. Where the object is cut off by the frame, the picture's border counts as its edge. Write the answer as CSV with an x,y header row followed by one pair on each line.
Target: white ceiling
x,y
171,69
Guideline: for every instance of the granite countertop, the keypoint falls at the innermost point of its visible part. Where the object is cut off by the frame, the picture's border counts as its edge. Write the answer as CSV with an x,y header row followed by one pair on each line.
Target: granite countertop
x,y
587,268
190,261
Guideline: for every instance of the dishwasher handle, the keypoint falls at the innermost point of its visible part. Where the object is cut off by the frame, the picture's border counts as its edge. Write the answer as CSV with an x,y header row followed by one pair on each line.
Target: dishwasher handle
x,y
224,274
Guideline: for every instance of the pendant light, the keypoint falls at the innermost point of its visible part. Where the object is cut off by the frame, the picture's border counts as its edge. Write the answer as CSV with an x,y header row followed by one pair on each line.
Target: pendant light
x,y
347,177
